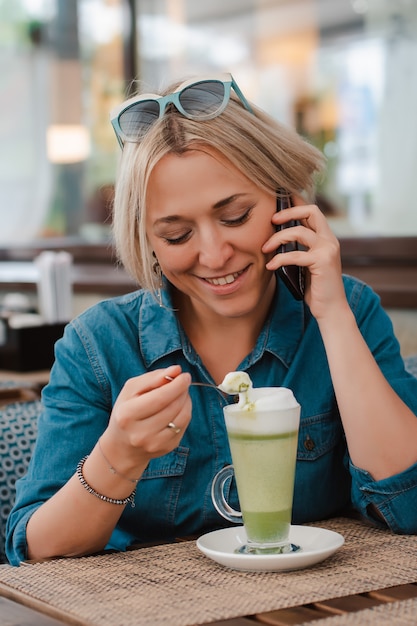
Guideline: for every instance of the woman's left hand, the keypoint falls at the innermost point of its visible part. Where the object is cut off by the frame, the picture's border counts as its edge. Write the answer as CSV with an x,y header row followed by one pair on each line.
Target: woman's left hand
x,y
321,256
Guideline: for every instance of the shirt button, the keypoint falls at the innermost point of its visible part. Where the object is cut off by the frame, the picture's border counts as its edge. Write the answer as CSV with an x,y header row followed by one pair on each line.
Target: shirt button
x,y
309,444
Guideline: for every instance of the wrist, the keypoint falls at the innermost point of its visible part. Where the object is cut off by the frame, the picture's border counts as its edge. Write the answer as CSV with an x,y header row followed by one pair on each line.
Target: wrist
x,y
337,313
339,331
113,469
120,460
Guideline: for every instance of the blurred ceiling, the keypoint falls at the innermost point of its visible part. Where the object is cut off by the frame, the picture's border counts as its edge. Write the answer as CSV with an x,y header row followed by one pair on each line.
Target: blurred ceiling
x,y
329,13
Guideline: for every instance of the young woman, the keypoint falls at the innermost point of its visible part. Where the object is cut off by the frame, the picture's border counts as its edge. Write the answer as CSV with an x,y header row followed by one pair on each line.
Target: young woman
x,y
195,222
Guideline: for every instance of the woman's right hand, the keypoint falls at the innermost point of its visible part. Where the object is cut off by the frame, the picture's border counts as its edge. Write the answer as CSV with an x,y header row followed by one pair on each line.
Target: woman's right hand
x,y
138,427
74,521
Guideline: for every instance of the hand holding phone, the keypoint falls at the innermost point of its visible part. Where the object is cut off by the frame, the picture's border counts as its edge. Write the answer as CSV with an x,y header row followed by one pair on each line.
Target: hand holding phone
x,y
293,276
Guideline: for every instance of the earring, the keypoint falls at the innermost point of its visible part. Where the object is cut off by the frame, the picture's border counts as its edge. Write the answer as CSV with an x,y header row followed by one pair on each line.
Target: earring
x,y
156,268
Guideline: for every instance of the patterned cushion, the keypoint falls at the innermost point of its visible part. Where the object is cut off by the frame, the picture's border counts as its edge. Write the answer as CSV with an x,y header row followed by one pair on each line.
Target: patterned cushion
x,y
18,428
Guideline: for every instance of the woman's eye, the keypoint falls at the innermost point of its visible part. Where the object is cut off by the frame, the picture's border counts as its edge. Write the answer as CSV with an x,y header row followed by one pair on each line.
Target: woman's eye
x,y
173,241
240,219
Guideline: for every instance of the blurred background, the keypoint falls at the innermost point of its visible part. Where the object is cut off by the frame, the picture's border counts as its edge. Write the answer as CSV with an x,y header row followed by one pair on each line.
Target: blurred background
x,y
342,72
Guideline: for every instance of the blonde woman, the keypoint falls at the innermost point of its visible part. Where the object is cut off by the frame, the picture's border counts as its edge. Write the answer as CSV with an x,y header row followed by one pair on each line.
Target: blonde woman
x,y
124,454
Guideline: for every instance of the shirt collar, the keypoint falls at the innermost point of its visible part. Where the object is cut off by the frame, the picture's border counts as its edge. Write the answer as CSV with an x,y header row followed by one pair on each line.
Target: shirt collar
x,y
160,334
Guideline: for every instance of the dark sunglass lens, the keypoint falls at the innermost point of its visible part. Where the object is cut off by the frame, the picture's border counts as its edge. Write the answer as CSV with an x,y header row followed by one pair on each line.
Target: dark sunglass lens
x,y
202,99
137,119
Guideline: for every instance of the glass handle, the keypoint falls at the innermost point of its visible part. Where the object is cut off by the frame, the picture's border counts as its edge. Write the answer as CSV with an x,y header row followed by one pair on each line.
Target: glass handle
x,y
218,497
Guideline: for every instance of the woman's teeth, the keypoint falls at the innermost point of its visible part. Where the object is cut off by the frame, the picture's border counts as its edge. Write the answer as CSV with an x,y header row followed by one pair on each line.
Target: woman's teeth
x,y
224,280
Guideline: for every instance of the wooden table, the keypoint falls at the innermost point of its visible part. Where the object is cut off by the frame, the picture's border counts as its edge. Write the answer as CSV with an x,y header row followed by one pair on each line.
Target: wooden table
x,y
15,614
21,387
40,377
23,590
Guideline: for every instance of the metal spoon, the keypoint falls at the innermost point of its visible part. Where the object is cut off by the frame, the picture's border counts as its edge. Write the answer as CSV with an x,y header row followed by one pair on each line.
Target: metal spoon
x,y
223,393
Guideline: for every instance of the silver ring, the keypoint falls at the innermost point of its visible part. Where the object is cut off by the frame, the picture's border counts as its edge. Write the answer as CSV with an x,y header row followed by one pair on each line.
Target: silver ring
x,y
174,428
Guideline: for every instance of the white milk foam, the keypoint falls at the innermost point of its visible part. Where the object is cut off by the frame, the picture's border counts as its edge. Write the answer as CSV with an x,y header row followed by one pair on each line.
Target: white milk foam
x,y
259,410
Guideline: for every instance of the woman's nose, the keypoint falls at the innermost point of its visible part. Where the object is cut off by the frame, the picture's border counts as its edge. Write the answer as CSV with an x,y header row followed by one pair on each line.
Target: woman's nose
x,y
214,251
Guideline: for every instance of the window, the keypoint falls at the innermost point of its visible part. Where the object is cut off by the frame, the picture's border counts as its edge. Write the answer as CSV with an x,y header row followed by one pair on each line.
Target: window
x,y
62,69
343,72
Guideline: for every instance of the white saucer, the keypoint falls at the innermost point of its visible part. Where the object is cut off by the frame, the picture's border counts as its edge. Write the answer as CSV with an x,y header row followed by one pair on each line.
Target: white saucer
x,y
316,544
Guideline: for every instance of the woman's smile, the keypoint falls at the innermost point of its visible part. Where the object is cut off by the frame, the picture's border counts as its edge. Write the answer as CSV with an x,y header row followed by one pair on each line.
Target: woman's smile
x,y
224,280
228,279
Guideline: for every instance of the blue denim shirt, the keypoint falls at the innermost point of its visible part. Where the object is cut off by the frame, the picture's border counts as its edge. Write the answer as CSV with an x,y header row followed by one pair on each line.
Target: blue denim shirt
x,y
124,337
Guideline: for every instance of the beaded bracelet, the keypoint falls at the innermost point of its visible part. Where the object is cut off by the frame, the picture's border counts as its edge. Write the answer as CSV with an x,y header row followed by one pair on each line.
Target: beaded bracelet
x,y
95,493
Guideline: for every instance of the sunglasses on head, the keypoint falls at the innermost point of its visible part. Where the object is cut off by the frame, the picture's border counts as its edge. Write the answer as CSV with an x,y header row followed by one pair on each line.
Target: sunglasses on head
x,y
202,100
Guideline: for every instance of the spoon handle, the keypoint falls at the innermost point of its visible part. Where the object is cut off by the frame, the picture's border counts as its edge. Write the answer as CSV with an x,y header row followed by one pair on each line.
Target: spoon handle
x,y
195,384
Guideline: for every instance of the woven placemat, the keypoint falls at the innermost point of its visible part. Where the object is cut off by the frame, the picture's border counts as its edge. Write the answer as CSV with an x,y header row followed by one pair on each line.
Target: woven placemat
x,y
175,584
402,613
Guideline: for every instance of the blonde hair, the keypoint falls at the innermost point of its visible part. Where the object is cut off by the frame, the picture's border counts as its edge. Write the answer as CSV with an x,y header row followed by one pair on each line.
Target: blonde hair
x,y
267,153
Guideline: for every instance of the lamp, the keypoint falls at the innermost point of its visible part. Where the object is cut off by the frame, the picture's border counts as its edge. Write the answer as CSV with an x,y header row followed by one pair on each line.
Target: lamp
x,y
67,143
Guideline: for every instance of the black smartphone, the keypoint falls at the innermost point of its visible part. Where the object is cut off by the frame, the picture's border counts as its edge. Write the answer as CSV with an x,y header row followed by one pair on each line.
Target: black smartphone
x,y
293,276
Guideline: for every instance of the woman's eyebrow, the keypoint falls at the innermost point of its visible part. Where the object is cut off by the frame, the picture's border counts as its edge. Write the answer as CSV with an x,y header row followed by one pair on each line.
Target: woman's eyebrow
x,y
226,201
169,219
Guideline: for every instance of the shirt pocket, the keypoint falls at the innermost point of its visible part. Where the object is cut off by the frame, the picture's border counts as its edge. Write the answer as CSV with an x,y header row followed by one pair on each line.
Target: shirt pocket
x,y
318,435
162,483
170,465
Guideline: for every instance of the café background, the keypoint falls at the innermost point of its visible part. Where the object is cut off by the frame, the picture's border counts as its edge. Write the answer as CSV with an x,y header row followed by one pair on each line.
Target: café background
x,y
342,72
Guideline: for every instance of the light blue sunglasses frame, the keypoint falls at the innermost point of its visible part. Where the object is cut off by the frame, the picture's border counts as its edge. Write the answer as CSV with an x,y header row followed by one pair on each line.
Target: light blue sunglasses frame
x,y
117,113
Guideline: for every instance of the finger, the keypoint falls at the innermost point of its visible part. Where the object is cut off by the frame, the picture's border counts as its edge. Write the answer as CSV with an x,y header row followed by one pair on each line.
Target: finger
x,y
172,372
150,392
141,401
149,381
178,423
302,213
178,411
159,436
159,399
297,257
142,423
300,234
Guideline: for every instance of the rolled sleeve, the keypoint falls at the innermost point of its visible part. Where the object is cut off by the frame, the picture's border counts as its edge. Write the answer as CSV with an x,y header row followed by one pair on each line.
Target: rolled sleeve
x,y
395,498
16,544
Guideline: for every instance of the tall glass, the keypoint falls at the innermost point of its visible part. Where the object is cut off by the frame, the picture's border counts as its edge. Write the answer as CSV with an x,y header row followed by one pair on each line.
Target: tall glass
x,y
263,444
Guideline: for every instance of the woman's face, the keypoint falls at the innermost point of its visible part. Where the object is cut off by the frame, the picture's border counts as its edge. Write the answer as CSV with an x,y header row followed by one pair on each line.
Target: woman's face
x,y
207,223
